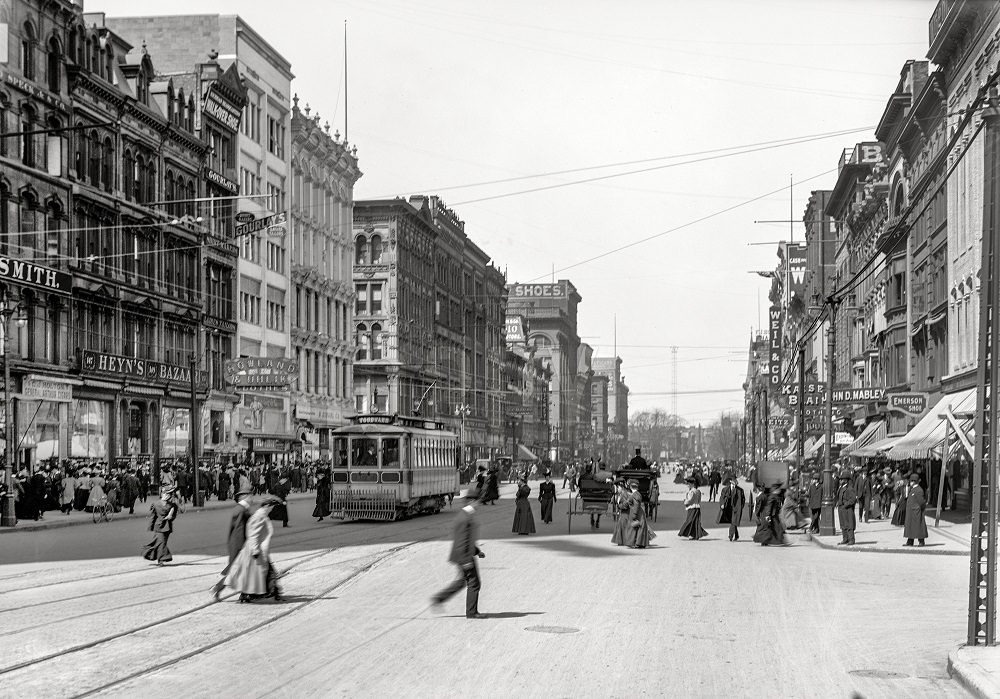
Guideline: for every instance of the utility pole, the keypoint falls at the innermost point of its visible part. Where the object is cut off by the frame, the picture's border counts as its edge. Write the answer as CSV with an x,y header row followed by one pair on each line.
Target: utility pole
x,y
800,433
826,526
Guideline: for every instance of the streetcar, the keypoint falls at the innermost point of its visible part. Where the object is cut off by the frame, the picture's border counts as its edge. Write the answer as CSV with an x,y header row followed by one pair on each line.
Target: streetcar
x,y
387,467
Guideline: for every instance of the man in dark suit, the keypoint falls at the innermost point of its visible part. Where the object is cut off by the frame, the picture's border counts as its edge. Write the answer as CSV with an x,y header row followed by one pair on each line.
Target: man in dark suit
x,y
464,552
281,489
237,535
637,460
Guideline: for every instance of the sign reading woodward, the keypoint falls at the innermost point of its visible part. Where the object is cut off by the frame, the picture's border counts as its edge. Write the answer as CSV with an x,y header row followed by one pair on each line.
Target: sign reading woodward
x,y
261,372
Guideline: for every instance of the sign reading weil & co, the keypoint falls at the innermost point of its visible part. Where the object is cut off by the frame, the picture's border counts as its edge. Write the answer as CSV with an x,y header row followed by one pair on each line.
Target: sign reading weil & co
x,y
145,370
251,372
908,403
35,275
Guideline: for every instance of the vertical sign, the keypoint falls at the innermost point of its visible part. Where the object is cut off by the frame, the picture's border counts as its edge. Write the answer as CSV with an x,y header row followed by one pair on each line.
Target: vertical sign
x,y
796,261
774,347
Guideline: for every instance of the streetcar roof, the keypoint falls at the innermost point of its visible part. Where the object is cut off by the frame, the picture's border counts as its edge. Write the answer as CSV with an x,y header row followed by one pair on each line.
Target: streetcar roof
x,y
388,430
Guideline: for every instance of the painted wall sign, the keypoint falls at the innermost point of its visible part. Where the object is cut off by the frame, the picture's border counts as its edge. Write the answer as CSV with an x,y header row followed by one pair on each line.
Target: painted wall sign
x,y
538,291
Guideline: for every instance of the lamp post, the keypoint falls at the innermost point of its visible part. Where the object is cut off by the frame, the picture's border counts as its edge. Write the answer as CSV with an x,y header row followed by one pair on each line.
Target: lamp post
x,y
7,516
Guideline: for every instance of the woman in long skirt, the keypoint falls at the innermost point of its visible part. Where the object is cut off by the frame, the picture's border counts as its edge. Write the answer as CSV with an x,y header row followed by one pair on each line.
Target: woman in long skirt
x,y
638,533
161,522
524,521
622,501
322,508
547,497
692,528
770,531
252,574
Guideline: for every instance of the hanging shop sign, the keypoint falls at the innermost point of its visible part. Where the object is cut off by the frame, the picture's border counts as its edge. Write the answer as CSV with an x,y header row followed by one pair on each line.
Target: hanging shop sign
x,y
913,404
222,181
514,329
35,276
248,373
146,371
775,328
858,395
796,260
260,224
222,110
39,388
779,421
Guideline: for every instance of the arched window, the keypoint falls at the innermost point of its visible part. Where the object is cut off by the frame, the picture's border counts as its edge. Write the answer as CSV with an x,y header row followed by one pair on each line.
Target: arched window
x,y
95,50
171,105
139,182
150,194
180,112
128,174
109,64
4,217
168,194
142,87
189,114
4,123
897,199
53,65
189,203
80,151
94,167
28,41
27,139
376,249
107,165
361,250
362,338
376,341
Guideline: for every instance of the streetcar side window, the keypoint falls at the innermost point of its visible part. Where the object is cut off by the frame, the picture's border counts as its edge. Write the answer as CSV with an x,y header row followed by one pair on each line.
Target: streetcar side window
x,y
340,452
364,451
390,452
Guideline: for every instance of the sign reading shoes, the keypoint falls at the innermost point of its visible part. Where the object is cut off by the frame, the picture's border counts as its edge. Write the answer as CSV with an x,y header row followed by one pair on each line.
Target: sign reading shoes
x,y
247,372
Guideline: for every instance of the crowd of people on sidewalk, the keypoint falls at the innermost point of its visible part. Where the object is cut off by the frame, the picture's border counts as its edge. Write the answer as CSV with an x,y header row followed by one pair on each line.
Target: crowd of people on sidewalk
x,y
78,487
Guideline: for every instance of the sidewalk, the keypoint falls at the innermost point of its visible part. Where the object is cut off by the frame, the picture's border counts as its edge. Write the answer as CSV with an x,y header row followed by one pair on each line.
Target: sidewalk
x,y
54,519
977,668
948,539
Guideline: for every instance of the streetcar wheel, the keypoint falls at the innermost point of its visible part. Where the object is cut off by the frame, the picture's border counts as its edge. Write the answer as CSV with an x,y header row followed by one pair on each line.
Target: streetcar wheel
x,y
111,514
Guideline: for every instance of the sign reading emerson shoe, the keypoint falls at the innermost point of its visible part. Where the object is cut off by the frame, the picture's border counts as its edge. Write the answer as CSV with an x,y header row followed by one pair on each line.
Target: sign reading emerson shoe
x,y
260,372
35,276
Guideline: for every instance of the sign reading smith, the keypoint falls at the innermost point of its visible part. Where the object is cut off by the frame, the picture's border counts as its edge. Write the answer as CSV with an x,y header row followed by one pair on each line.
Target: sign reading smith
x,y
39,277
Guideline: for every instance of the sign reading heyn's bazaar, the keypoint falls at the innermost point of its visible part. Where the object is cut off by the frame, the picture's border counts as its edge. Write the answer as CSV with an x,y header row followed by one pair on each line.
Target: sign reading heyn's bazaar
x,y
147,370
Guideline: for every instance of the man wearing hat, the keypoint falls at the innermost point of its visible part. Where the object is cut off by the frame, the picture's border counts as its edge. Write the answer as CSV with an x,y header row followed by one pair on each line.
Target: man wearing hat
x,y
915,526
847,497
637,460
237,534
464,553
161,522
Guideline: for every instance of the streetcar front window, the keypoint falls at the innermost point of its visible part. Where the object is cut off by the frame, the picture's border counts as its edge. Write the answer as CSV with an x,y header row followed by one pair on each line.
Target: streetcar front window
x,y
364,451
390,452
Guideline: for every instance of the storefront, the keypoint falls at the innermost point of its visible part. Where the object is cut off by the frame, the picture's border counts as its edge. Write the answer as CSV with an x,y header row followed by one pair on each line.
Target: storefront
x,y
131,409
263,433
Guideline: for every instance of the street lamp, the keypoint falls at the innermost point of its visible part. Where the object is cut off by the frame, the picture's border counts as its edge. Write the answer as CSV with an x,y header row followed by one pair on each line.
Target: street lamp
x,y
7,516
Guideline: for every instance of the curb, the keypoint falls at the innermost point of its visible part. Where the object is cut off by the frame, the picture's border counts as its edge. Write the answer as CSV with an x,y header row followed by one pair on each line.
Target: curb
x,y
84,517
915,550
978,682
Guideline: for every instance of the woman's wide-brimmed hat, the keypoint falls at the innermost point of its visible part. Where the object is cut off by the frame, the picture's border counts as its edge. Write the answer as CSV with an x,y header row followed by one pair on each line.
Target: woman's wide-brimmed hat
x,y
270,501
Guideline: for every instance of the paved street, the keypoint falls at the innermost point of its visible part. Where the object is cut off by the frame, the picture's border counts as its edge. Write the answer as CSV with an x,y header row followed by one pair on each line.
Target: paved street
x,y
568,614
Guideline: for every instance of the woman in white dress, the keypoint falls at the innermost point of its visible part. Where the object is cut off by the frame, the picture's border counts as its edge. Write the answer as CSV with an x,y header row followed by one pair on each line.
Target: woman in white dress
x,y
252,573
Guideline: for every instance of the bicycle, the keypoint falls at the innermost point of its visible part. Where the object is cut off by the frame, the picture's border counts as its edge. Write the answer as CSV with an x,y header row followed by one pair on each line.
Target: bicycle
x,y
103,510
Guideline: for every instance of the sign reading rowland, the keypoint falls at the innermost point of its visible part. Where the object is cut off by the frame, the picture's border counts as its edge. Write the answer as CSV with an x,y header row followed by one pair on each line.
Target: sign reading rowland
x,y
248,373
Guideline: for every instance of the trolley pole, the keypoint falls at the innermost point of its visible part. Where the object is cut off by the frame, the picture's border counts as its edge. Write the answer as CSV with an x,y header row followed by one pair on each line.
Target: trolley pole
x,y
826,525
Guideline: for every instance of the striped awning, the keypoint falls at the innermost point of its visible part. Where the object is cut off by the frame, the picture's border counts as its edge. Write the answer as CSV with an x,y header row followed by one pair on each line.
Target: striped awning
x,y
926,439
879,446
815,448
874,432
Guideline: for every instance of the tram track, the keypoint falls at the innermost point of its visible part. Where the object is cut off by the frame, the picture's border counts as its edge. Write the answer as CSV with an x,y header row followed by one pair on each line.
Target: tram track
x,y
378,559
301,564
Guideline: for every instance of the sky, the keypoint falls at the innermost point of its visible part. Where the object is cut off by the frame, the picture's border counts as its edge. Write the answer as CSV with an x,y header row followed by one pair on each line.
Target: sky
x,y
629,146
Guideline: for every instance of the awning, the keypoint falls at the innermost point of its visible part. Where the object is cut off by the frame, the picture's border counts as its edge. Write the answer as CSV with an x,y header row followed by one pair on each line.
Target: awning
x,y
926,438
815,448
525,454
790,451
874,432
879,446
